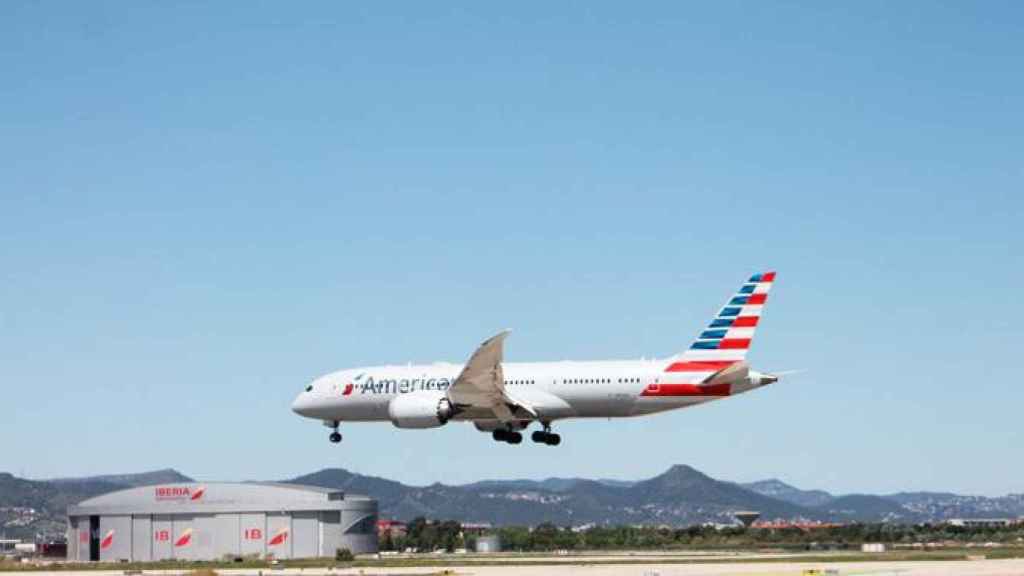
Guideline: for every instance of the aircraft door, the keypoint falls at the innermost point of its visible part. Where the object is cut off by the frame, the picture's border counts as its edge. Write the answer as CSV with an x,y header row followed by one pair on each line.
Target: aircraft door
x,y
94,538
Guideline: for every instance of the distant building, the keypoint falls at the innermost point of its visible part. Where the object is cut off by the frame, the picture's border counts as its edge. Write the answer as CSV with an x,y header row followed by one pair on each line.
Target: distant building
x,y
488,544
872,547
782,524
54,549
8,546
476,527
746,517
210,521
980,522
391,528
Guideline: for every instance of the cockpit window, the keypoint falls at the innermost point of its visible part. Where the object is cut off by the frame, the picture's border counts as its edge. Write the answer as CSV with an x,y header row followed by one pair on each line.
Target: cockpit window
x,y
309,388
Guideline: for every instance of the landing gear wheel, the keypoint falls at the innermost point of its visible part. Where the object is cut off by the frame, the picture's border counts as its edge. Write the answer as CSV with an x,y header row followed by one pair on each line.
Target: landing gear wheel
x,y
507,436
545,436
335,437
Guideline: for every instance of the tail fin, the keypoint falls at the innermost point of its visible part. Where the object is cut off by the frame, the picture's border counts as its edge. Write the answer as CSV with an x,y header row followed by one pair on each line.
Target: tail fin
x,y
727,339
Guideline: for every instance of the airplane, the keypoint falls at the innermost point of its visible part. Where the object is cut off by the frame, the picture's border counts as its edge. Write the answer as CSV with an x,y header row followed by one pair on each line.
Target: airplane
x,y
504,398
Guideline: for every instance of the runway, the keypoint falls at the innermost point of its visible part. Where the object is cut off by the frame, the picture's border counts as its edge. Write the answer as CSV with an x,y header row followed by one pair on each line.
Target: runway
x,y
1008,567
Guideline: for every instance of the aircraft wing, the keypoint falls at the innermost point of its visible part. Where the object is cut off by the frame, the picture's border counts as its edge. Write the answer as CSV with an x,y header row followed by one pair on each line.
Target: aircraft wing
x,y
481,384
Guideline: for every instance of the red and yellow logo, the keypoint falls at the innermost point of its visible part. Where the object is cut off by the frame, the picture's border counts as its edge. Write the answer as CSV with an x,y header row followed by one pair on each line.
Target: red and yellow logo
x,y
107,541
179,492
279,537
185,539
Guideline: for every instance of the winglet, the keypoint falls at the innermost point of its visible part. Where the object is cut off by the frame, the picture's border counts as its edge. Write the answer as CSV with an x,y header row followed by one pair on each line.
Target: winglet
x,y
499,336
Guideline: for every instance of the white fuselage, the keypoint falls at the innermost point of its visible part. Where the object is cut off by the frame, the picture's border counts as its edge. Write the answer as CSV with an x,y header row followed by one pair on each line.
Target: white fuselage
x,y
557,390
504,397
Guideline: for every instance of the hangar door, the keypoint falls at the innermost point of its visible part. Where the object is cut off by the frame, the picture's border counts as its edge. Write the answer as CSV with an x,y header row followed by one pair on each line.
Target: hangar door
x,y
94,538
115,542
279,536
306,535
142,541
183,537
162,538
253,527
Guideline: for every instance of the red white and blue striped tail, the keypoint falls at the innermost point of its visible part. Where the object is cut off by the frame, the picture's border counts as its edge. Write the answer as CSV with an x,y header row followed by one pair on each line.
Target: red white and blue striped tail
x,y
727,339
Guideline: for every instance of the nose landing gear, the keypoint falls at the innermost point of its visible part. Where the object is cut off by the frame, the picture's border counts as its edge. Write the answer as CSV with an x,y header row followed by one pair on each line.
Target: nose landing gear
x,y
335,436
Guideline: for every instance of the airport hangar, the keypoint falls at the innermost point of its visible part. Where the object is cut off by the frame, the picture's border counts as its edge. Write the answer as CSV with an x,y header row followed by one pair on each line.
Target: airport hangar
x,y
214,521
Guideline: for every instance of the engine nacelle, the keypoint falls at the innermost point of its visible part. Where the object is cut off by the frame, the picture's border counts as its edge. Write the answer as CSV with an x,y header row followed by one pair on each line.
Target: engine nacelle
x,y
420,409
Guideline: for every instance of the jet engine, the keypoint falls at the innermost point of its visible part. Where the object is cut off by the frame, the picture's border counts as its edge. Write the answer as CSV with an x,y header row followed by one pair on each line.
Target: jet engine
x,y
420,409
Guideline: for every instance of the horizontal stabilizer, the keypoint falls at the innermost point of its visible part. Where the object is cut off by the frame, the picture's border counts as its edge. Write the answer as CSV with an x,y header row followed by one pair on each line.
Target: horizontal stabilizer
x,y
728,375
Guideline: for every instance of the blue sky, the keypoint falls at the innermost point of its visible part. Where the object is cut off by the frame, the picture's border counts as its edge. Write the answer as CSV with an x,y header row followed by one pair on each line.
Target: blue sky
x,y
204,207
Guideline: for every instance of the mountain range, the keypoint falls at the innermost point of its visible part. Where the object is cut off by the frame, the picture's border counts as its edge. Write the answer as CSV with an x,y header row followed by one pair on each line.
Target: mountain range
x,y
31,507
680,496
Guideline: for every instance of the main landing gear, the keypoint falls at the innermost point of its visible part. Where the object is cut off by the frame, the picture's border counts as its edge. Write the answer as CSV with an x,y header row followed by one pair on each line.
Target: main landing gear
x,y
335,436
540,436
510,436
545,436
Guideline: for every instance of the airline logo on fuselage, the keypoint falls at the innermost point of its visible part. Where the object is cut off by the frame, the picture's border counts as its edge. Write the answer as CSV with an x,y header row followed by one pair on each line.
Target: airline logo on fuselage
x,y
351,386
400,385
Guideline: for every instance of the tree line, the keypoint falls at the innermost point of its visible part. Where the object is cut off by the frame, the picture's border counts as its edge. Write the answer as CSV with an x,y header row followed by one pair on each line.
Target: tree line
x,y
425,536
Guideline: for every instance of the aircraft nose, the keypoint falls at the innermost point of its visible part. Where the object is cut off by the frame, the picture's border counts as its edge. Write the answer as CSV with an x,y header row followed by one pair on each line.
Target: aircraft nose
x,y
302,404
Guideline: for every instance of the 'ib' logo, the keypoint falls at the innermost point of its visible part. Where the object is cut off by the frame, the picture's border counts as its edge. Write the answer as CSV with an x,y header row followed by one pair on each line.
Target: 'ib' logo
x,y
350,386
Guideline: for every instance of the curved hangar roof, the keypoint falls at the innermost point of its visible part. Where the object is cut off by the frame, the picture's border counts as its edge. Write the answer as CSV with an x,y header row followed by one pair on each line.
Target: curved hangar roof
x,y
216,497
